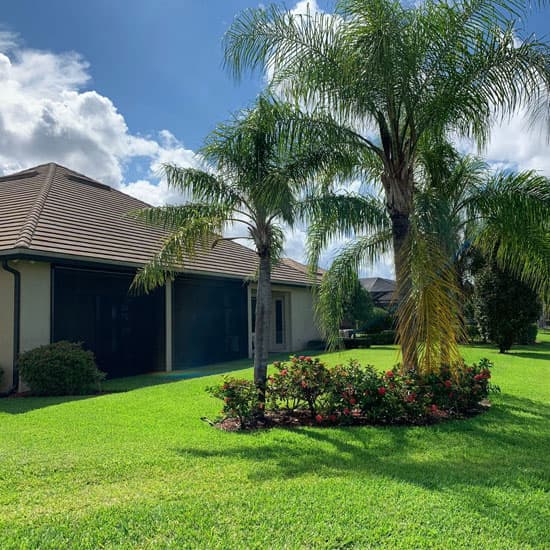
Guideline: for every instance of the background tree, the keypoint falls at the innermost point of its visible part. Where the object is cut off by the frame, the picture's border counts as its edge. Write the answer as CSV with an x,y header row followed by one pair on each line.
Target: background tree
x,y
253,178
505,308
387,78
358,307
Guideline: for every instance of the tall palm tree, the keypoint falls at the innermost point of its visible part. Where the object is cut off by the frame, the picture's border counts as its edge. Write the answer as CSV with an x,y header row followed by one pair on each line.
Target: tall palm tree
x,y
254,178
388,77
460,205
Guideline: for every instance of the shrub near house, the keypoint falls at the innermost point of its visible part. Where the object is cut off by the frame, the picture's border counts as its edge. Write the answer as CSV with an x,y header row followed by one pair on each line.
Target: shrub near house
x,y
306,391
62,368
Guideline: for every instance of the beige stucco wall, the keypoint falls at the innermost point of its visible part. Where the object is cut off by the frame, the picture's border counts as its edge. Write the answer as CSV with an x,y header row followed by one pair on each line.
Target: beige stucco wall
x,y
299,316
6,329
35,312
302,322
35,303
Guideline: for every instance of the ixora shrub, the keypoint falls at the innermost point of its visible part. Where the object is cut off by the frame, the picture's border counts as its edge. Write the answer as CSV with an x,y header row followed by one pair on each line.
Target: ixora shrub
x,y
299,384
62,368
240,399
305,390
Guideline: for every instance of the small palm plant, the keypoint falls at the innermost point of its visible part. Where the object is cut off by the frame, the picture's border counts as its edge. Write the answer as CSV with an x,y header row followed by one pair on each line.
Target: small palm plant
x,y
255,178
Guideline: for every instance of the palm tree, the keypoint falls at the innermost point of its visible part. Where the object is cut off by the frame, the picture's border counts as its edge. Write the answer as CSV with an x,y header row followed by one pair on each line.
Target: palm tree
x,y
254,178
460,205
388,77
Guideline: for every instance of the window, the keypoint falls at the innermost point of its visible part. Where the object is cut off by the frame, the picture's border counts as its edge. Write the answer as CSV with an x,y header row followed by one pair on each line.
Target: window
x,y
279,321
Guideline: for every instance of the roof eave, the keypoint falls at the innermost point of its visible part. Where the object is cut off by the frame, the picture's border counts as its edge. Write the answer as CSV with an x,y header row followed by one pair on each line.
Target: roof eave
x,y
36,255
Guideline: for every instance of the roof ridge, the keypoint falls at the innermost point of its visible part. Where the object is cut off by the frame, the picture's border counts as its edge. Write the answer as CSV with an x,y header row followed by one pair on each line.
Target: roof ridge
x,y
29,226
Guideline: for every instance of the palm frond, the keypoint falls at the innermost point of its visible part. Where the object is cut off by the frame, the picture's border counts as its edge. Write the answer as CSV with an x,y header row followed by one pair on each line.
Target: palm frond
x,y
515,229
339,281
192,228
202,186
429,325
333,216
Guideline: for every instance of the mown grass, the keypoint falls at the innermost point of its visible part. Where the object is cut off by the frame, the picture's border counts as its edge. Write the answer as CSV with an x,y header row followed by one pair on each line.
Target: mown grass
x,y
141,470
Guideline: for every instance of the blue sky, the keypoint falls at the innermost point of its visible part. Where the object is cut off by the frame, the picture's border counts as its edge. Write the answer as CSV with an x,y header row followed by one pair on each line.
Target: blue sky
x,y
159,61
113,88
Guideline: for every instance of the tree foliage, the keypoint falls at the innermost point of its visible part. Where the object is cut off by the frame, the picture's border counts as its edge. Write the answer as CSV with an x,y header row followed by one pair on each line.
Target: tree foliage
x,y
254,177
505,307
358,307
389,80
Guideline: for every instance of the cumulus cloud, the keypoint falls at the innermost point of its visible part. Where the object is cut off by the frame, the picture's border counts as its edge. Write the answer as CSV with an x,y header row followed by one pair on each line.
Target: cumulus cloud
x,y
47,113
520,145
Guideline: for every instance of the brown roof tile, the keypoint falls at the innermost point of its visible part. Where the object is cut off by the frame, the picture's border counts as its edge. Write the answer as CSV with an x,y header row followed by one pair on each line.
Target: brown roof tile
x,y
53,211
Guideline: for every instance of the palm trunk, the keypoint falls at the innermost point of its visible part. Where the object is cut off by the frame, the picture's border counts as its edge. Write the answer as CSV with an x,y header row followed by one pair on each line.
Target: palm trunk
x,y
263,324
399,198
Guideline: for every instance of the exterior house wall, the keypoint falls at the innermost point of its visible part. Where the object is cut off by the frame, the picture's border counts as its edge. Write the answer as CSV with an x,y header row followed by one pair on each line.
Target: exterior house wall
x,y
302,323
35,313
35,304
6,329
299,317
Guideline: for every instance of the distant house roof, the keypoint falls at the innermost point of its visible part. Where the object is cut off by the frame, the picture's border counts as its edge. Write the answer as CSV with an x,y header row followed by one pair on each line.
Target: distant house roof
x,y
51,211
382,290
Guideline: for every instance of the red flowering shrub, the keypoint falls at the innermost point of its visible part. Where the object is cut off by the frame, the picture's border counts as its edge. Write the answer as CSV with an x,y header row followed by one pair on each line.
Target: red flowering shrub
x,y
240,399
298,384
352,394
462,390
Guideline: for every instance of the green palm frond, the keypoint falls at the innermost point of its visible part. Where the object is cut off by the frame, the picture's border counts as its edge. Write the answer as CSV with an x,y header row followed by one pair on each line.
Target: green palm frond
x,y
173,217
339,281
515,227
336,216
197,225
201,185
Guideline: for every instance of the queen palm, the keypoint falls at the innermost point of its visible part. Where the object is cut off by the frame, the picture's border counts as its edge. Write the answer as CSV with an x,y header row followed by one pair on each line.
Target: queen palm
x,y
460,205
389,77
254,178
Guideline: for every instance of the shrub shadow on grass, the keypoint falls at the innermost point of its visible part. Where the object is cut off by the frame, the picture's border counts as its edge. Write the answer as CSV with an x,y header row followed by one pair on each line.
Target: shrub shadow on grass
x,y
390,451
22,405
542,354
505,447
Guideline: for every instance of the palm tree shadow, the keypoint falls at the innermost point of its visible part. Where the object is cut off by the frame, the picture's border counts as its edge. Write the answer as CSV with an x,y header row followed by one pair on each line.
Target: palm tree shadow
x,y
467,458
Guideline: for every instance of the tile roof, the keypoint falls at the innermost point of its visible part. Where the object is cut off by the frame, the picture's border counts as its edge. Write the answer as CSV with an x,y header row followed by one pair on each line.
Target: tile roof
x,y
382,290
378,284
52,211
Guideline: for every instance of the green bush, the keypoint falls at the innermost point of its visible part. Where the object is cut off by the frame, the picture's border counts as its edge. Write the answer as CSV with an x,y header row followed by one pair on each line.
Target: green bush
x,y
356,343
62,368
528,335
384,338
240,399
316,345
300,383
505,308
353,394
379,321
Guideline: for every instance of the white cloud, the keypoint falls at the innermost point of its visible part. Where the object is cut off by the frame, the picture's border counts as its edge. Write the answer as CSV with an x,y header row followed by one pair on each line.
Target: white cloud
x,y
303,7
520,145
47,113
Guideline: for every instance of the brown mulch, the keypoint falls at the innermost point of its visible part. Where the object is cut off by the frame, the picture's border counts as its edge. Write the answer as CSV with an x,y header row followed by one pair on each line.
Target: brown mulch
x,y
302,418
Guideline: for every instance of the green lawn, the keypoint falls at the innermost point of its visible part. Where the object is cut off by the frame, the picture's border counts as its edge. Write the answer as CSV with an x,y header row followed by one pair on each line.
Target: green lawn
x,y
140,469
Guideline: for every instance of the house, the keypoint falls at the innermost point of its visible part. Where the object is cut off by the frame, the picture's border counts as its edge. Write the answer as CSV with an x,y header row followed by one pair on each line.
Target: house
x,y
382,290
68,253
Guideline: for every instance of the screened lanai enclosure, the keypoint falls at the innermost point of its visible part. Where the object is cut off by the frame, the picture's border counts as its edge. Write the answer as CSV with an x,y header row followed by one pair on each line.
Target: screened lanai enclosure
x,y
125,331
210,319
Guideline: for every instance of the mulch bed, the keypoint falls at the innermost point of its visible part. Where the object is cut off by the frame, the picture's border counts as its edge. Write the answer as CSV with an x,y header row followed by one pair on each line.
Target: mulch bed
x,y
302,418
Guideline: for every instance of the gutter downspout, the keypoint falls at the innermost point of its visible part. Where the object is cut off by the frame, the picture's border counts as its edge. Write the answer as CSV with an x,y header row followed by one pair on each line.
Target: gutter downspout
x,y
16,324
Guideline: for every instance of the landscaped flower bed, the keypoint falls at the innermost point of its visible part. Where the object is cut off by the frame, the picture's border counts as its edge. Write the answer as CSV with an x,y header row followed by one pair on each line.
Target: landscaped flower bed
x,y
304,391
